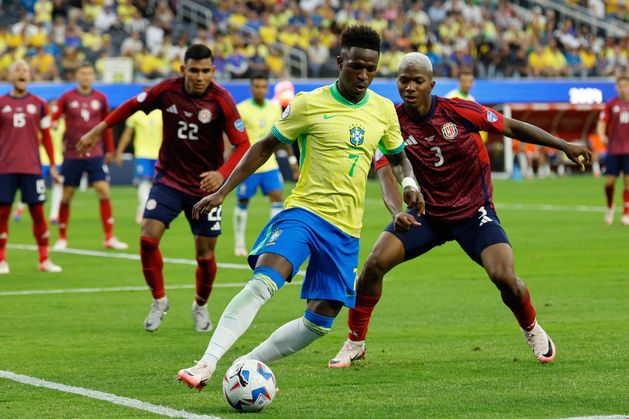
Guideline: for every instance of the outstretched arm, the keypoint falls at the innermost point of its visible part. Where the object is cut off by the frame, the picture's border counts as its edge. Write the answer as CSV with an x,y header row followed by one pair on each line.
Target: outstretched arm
x,y
255,157
531,134
403,172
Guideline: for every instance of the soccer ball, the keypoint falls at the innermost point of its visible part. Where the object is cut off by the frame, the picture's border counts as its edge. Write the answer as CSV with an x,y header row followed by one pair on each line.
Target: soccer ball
x,y
249,385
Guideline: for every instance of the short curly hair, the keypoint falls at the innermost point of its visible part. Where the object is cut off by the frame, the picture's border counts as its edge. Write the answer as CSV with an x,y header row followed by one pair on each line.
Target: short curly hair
x,y
360,36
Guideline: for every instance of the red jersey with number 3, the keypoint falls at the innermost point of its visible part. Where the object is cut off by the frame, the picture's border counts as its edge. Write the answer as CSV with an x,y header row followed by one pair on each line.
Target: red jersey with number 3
x,y
193,131
21,119
448,156
82,112
616,115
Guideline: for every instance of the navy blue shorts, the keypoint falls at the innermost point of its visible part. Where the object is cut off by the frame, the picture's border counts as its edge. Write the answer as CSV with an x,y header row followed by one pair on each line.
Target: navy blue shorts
x,y
473,235
267,181
32,188
616,164
165,203
72,170
298,234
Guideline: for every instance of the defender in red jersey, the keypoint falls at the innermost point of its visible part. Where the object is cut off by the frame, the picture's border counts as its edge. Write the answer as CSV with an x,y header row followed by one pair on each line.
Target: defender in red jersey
x,y
452,166
83,108
613,130
196,113
23,118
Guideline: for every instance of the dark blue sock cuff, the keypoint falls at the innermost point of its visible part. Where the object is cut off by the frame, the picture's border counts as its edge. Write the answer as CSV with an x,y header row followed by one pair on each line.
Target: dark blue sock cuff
x,y
263,272
319,320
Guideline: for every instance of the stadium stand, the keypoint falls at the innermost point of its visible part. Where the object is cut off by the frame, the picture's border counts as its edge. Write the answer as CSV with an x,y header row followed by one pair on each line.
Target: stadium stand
x,y
498,39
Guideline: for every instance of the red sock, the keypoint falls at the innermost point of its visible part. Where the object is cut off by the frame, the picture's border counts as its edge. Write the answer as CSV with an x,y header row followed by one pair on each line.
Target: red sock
x,y
359,316
5,213
609,193
523,311
152,266
625,202
107,218
40,229
206,272
64,217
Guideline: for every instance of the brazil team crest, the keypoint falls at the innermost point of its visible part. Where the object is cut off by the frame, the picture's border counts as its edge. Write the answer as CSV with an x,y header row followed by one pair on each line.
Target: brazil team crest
x,y
356,135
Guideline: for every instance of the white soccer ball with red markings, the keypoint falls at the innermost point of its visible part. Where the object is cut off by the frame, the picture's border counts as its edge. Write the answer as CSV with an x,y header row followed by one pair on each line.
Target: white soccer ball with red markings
x,y
249,385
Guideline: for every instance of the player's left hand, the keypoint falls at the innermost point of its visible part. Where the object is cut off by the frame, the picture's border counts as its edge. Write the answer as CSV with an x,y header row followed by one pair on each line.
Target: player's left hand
x,y
415,200
108,158
54,173
206,204
578,154
211,181
403,222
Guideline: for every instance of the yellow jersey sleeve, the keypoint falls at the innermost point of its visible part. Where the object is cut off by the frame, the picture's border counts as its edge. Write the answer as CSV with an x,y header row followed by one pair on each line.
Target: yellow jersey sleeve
x,y
294,121
392,141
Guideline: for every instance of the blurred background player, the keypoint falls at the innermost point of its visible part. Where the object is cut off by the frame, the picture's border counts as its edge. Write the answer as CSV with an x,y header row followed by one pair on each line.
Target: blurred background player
x,y
613,130
466,83
83,108
196,114
146,131
23,118
259,114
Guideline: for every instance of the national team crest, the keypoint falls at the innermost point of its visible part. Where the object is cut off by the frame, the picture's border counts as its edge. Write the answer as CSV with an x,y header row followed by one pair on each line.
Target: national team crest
x,y
274,236
32,109
205,116
449,131
95,104
356,135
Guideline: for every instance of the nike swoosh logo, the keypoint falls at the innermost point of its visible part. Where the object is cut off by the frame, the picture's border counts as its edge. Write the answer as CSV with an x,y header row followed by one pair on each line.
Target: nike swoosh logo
x,y
329,116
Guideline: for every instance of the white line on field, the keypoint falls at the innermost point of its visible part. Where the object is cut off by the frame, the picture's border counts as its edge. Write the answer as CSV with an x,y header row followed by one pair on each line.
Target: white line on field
x,y
601,417
112,398
122,289
131,256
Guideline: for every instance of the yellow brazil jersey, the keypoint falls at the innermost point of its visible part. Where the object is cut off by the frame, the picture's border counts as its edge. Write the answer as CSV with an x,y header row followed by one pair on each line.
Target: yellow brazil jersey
x,y
258,122
337,140
147,133
57,144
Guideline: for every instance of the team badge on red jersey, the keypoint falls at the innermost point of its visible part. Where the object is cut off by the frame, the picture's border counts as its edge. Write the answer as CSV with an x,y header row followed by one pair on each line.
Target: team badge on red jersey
x,y
95,104
32,109
356,135
205,115
449,131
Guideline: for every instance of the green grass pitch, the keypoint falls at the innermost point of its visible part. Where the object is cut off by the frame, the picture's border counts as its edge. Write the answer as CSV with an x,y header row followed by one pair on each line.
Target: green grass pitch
x,y
441,342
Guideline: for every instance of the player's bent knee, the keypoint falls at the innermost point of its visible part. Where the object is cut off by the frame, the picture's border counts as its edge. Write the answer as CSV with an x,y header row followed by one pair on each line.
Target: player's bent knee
x,y
264,282
502,275
318,324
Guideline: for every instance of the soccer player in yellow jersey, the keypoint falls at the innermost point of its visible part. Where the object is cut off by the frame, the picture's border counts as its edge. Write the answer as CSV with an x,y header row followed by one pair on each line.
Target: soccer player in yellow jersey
x,y
338,128
258,114
146,131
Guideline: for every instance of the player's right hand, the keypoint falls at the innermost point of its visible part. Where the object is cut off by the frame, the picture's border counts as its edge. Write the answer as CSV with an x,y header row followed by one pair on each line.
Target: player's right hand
x,y
86,143
206,204
415,200
118,159
403,222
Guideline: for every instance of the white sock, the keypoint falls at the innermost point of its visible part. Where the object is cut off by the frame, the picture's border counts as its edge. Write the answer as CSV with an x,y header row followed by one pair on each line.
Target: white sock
x,y
237,318
276,208
240,226
596,168
83,185
286,340
144,187
55,200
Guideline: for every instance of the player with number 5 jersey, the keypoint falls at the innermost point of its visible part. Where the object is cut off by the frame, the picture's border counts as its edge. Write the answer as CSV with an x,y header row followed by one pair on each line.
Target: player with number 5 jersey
x,y
449,159
23,118
196,113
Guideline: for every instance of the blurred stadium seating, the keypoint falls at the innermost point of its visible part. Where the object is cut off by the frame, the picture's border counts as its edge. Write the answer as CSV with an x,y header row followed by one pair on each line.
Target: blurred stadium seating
x,y
497,39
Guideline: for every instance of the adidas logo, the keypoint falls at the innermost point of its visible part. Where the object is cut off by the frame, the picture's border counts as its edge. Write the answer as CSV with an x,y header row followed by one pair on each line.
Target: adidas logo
x,y
172,109
6,109
216,226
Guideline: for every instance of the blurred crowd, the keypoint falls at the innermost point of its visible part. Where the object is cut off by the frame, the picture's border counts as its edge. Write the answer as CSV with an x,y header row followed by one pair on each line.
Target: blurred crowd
x,y
493,38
